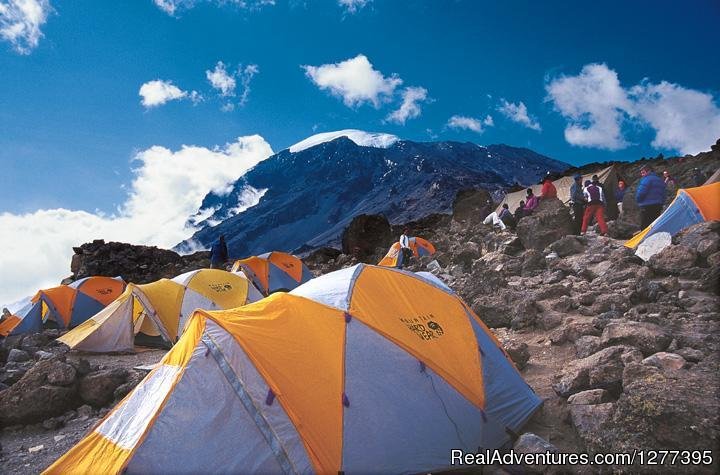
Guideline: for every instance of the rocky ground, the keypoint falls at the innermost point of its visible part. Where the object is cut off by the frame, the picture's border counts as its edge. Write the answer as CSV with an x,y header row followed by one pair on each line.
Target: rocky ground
x,y
625,353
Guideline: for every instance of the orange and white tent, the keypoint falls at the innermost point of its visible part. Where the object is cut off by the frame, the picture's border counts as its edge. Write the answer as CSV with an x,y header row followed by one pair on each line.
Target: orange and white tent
x,y
274,271
160,309
363,370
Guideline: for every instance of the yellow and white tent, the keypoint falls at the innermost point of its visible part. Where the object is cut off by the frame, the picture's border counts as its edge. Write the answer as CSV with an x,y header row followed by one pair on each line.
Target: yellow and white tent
x,y
160,309
364,370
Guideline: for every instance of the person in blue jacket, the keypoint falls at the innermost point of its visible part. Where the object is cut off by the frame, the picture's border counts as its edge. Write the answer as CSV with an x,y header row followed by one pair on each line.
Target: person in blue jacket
x,y
219,254
650,196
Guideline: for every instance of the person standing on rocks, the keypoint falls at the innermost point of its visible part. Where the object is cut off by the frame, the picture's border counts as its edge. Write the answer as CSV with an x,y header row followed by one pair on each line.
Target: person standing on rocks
x,y
650,196
405,250
595,198
577,198
219,254
619,195
698,177
670,184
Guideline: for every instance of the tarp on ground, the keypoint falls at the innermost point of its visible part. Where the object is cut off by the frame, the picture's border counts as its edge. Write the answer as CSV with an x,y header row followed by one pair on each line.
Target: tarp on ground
x,y
364,370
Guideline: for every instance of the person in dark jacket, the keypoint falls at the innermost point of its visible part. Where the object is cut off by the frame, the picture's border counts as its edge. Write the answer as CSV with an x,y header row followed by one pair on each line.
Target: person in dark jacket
x,y
219,254
520,211
507,217
595,198
619,195
698,177
577,200
650,196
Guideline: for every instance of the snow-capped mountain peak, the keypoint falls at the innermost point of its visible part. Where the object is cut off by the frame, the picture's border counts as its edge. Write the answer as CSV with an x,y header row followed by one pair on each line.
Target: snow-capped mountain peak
x,y
360,137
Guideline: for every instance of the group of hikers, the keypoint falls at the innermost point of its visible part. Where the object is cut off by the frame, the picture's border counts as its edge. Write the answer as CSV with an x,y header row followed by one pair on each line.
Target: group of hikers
x,y
589,200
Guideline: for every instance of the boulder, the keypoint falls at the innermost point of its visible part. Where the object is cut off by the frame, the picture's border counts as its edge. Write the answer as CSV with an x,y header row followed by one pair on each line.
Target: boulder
x,y
665,361
523,315
98,388
586,345
366,232
530,443
589,421
647,337
18,356
620,229
703,237
568,245
518,352
472,205
673,260
549,222
591,396
46,390
602,370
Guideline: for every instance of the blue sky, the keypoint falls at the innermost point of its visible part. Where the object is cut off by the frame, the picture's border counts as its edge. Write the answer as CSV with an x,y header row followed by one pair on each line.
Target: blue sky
x,y
578,81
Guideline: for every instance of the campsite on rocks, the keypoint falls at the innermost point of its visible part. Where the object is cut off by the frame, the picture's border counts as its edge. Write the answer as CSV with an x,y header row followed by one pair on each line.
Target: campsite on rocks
x,y
361,237
616,353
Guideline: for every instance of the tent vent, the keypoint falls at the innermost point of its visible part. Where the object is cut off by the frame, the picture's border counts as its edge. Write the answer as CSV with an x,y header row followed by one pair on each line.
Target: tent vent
x,y
270,397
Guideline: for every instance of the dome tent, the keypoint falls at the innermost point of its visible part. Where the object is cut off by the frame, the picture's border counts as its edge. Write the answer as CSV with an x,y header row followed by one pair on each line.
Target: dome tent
x,y
274,271
66,305
160,309
368,370
418,245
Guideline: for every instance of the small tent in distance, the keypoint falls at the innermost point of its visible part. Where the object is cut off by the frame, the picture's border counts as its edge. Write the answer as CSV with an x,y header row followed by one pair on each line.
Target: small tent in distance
x,y
690,206
157,312
369,370
274,271
64,306
419,246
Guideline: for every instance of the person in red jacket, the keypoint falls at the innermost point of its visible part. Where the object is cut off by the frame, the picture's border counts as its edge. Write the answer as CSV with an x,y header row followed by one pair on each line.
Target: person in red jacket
x,y
548,189
595,198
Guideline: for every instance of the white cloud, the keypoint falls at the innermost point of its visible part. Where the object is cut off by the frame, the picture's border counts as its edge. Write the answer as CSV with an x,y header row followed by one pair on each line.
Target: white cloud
x,y
226,83
221,80
20,22
470,123
410,107
596,106
158,92
167,189
352,6
518,113
683,119
171,7
355,81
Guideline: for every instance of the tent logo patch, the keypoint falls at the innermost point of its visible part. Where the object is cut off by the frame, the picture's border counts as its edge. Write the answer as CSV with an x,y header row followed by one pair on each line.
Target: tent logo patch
x,y
226,287
104,291
424,326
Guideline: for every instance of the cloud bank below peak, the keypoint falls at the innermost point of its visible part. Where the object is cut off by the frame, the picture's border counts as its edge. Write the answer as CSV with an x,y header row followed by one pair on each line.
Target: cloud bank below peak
x,y
167,189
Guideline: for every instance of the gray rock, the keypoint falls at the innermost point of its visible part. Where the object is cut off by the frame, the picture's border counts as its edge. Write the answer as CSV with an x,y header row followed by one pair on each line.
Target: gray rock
x,y
647,337
568,245
691,354
591,396
549,222
673,260
523,315
586,345
85,411
665,361
589,419
62,374
530,443
43,355
98,388
18,356
602,370
518,352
